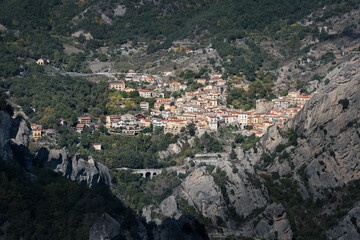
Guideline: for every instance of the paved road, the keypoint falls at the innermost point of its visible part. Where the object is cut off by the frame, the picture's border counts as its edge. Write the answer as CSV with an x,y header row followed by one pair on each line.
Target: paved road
x,y
76,74
174,168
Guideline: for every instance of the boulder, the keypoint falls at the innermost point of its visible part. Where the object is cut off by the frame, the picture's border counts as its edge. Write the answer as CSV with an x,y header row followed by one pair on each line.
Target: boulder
x,y
169,208
105,228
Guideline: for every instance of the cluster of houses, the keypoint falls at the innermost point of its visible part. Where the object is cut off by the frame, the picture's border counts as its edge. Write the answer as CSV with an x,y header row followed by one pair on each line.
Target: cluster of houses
x,y
156,81
206,109
82,123
119,85
128,124
143,77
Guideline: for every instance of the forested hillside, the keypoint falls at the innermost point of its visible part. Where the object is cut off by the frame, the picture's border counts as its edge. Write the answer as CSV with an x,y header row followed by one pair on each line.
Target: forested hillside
x,y
161,20
34,25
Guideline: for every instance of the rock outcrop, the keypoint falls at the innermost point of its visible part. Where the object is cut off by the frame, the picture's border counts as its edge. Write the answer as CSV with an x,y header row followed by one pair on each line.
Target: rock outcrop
x,y
328,130
272,223
349,226
14,140
201,192
185,228
169,208
5,126
173,148
105,228
75,168
243,195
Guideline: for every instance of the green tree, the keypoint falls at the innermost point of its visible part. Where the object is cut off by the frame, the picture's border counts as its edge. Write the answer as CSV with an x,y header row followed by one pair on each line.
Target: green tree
x,y
233,154
82,38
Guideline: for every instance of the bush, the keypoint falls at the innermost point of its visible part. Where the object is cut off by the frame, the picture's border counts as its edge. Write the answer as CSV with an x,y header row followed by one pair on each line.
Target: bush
x,y
344,102
280,147
327,57
316,77
233,154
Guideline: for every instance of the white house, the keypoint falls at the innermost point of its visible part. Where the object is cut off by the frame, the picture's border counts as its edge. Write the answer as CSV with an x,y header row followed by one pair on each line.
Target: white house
x,y
242,118
230,119
145,93
165,114
144,106
117,123
158,122
213,122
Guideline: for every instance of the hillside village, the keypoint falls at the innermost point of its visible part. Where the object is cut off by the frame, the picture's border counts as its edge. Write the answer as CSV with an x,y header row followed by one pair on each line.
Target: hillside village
x,y
205,108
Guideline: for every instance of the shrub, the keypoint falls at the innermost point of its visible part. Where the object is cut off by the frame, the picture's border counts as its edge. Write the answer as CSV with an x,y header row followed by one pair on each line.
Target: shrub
x,y
280,147
327,57
344,102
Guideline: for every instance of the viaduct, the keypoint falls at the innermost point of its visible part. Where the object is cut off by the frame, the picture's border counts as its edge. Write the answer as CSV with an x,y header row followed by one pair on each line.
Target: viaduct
x,y
144,173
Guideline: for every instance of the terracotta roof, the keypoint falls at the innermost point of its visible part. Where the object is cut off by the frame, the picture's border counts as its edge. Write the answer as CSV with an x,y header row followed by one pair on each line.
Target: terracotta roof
x,y
181,169
176,120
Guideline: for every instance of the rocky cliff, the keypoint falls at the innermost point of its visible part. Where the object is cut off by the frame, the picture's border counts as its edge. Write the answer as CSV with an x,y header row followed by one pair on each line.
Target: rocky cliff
x,y
14,140
314,158
328,143
75,168
201,191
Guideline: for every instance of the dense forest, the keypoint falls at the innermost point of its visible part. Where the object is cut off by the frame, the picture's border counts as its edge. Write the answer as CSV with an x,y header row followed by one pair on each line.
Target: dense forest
x,y
57,97
125,151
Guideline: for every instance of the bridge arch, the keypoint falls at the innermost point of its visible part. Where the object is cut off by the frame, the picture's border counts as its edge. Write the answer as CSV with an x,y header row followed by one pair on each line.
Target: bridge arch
x,y
144,173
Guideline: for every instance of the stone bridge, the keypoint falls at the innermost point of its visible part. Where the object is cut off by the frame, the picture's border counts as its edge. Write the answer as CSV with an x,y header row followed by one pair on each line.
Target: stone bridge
x,y
144,173
147,173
